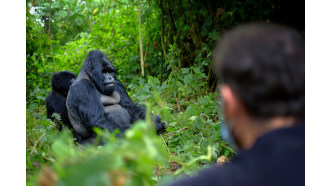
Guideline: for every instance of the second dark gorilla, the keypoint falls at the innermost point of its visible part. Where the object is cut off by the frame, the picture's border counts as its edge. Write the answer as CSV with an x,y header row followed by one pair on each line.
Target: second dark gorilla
x,y
98,99
56,99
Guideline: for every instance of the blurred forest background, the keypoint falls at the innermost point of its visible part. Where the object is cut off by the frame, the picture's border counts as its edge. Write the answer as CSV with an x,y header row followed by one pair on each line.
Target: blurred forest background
x,y
162,51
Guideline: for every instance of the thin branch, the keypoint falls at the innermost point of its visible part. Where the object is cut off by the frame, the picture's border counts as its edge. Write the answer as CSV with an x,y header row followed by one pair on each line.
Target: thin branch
x,y
49,34
35,145
166,145
140,37
226,147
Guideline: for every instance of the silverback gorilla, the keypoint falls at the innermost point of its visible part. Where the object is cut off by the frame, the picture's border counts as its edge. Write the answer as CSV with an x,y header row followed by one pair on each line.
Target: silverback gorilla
x,y
98,99
56,99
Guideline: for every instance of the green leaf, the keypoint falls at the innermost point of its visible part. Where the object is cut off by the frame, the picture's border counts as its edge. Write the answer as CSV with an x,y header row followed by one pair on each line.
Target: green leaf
x,y
61,14
192,110
185,70
95,10
196,70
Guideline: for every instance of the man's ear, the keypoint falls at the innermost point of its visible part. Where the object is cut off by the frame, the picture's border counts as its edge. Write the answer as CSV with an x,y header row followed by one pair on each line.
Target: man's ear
x,y
230,101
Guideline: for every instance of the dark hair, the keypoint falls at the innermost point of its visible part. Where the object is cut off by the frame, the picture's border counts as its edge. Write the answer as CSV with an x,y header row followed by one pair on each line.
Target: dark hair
x,y
264,64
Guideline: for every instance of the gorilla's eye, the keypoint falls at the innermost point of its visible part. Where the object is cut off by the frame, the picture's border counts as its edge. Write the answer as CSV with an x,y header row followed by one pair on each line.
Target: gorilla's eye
x,y
105,71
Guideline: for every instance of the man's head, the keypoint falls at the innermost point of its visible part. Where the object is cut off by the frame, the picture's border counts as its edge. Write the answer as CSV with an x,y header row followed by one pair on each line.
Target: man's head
x,y
261,68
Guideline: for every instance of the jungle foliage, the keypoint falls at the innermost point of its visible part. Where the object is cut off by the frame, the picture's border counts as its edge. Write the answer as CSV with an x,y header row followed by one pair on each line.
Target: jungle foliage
x,y
163,51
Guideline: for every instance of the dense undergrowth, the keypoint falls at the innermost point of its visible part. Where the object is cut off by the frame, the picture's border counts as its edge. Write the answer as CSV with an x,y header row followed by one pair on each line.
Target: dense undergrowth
x,y
141,158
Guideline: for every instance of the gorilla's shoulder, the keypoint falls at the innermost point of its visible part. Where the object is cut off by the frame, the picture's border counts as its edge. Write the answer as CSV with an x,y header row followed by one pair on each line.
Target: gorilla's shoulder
x,y
81,84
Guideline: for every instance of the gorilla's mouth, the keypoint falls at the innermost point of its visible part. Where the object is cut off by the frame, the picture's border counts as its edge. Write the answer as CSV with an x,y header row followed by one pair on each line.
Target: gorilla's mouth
x,y
109,84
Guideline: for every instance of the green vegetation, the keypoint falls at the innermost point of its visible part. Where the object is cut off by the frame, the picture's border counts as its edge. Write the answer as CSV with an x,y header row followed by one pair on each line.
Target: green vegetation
x,y
162,51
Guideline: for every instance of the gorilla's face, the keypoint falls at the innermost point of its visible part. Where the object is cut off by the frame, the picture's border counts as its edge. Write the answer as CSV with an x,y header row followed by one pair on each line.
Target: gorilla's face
x,y
109,80
61,81
101,71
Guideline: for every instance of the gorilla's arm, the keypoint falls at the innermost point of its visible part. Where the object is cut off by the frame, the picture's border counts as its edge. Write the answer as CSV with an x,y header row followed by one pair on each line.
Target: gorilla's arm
x,y
49,105
86,110
55,103
136,112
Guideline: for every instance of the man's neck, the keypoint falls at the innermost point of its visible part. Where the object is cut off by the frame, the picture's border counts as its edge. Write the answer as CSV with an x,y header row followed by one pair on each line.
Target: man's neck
x,y
252,129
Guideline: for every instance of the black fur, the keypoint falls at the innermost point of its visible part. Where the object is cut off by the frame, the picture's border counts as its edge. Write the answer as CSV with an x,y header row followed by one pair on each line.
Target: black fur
x,y
56,99
84,105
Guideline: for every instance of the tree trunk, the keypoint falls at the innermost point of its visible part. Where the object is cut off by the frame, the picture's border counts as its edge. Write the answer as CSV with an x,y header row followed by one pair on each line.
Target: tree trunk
x,y
162,41
193,31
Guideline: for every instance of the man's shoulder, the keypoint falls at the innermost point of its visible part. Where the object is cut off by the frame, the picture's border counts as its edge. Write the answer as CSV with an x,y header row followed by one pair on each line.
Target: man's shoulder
x,y
278,158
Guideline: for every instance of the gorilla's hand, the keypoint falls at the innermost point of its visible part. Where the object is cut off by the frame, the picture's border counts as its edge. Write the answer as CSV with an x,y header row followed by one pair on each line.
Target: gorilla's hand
x,y
160,126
